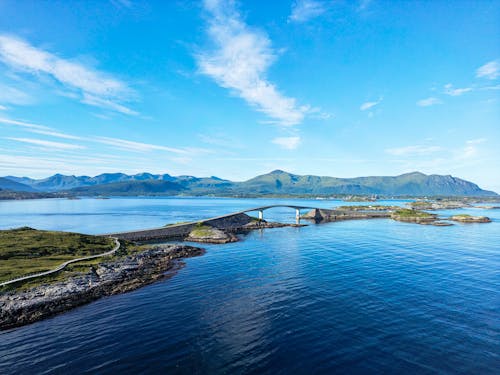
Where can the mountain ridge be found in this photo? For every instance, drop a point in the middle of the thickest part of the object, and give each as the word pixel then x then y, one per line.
pixel 277 182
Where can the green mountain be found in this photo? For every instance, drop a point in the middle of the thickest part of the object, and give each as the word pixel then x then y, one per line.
pixel 415 184
pixel 275 183
pixel 149 187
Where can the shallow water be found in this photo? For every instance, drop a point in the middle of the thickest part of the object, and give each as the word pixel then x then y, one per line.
pixel 357 296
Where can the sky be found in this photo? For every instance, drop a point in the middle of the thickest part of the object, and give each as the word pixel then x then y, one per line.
pixel 239 88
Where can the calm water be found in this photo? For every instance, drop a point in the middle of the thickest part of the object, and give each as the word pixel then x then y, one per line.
pixel 349 297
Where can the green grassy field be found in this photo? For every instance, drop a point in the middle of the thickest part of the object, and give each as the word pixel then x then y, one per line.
pixel 24 251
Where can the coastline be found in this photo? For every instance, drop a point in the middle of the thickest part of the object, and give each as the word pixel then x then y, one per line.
pixel 21 306
pixel 18 308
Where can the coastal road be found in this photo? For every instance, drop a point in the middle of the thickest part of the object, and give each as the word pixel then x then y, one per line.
pixel 63 265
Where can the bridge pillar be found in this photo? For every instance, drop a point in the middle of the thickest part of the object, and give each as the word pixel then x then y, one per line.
pixel 261 214
pixel 297 215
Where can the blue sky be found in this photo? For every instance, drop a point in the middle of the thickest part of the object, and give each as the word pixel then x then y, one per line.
pixel 236 89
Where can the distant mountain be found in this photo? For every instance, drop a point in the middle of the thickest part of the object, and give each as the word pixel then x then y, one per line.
pixel 275 183
pixel 414 184
pixel 8 184
pixel 60 182
pixel 148 187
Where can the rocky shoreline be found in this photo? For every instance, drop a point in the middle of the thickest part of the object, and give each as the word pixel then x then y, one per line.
pixel 18 308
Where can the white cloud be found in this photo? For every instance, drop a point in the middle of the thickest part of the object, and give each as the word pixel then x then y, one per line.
pixel 137 146
pixel 102 89
pixel 305 10
pixel 428 102
pixel 107 104
pixel 12 95
pixel 449 90
pixel 240 61
pixel 476 141
pixel 413 150
pixel 38 129
pixel 489 70
pixel 369 105
pixel 289 143
pixel 48 144
pixel 469 151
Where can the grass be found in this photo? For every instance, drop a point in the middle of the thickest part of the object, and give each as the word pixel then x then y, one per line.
pixel 25 251
pixel 408 213
pixel 201 230
pixel 16 267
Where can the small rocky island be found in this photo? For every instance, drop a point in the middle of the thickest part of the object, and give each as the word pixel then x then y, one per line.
pixel 470 219
pixel 408 215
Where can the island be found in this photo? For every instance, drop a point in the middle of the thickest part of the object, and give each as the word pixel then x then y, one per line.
pixel 464 218
pixel 44 273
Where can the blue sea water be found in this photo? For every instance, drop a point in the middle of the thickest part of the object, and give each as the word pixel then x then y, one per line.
pixel 368 296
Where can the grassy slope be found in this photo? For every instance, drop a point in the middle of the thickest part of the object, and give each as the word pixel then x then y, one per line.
pixel 202 231
pixel 25 251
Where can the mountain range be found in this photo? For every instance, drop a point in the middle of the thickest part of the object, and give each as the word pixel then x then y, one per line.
pixel 274 183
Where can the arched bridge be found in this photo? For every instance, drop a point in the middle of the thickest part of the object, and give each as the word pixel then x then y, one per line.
pixel 263 208
pixel 230 221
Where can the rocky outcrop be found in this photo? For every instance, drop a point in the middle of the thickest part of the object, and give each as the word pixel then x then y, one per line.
pixel 320 215
pixel 470 219
pixel 413 216
pixel 118 276
pixel 207 234
pixel 438 205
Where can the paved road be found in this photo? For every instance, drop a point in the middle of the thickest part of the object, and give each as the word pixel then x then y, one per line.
pixel 62 266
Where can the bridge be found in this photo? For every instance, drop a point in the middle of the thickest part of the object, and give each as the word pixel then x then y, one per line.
pixel 263 208
pixel 231 222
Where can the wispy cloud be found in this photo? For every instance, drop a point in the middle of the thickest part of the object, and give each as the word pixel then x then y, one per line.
pixel 489 70
pixel 305 10
pixel 47 144
pixel 450 90
pixel 240 61
pixel 289 143
pixel 413 150
pixel 107 104
pixel 3 108
pixel 368 105
pixel 12 95
pixel 102 89
pixel 476 141
pixel 428 102
pixel 137 146
pixel 38 129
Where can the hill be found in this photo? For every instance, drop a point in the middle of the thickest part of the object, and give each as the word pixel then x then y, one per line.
pixel 274 183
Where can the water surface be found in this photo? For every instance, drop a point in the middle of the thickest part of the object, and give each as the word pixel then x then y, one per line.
pixel 350 297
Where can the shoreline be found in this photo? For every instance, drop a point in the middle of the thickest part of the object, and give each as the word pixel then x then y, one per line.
pixel 18 308
pixel 23 306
